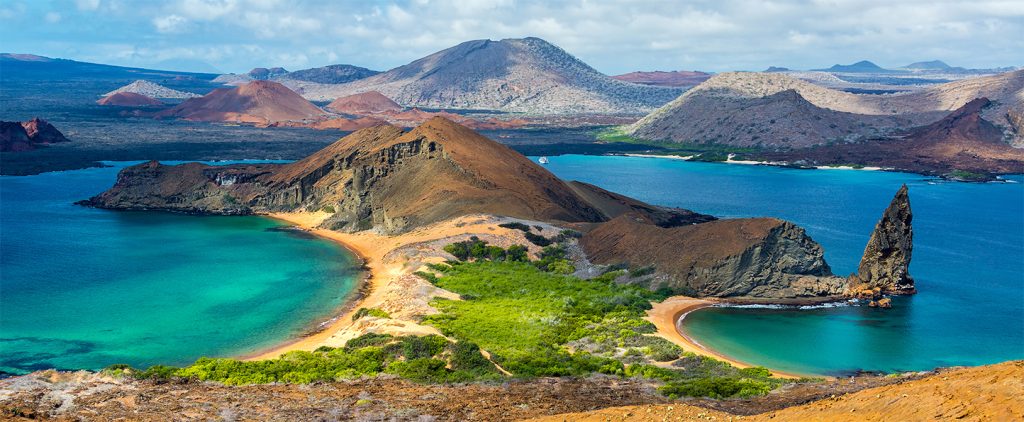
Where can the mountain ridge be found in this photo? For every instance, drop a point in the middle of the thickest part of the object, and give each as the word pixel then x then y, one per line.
pixel 526 75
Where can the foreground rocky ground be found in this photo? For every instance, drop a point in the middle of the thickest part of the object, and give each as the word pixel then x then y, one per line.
pixel 52 395
pixel 987 393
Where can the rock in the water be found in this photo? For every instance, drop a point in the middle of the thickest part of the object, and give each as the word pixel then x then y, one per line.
pixel 885 303
pixel 886 260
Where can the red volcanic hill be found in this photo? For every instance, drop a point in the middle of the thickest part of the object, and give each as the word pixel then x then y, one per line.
pixel 26 136
pixel 365 103
pixel 129 99
pixel 660 78
pixel 255 102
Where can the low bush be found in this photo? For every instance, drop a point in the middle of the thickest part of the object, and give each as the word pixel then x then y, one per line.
pixel 374 312
pixel 537 239
pixel 515 225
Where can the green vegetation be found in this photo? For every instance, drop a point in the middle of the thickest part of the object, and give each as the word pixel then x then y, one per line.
pixel 475 249
pixel 537 239
pixel 536 322
pixel 642 271
pixel 515 225
pixel 711 152
pixel 967 176
pixel 328 209
pixel 374 312
pixel 425 359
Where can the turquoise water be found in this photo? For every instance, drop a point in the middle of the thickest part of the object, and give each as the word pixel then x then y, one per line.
pixel 87 288
pixel 968 262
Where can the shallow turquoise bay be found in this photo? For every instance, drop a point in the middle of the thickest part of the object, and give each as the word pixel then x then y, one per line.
pixel 968 262
pixel 82 288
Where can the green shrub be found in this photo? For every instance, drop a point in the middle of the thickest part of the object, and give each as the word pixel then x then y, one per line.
pixel 537 239
pixel 516 253
pixel 716 388
pixel 642 271
pixel 515 225
pixel 374 312
pixel 328 209
pixel 157 372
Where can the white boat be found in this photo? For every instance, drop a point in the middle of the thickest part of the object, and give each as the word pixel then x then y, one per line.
pixel 543 160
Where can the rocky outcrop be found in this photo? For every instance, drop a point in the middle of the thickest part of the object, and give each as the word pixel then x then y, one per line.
pixel 755 259
pixel 331 74
pixel 886 260
pixel 25 136
pixel 263 74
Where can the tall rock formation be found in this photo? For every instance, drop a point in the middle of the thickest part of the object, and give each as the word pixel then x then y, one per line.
pixel 886 260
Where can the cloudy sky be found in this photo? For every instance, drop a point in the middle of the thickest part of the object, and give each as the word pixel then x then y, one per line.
pixel 613 36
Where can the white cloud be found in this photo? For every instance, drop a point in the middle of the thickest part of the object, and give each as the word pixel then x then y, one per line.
pixel 612 35
pixel 169 24
pixel 87 4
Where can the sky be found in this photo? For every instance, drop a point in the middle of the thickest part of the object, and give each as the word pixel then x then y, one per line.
pixel 612 36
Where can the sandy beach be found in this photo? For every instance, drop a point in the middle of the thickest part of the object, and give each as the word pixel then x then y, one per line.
pixel 664 316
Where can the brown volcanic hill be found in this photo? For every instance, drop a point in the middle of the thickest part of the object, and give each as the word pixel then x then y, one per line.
pixel 25 136
pixel 963 140
pixel 365 103
pixel 661 78
pixel 254 102
pixel 129 99
pixel 379 177
pixel 737 107
pixel 750 258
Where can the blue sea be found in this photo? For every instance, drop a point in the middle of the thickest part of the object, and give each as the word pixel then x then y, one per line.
pixel 968 262
pixel 83 288
pixel 86 288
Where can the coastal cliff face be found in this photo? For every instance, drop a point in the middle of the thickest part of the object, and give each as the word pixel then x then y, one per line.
pixel 760 259
pixel 886 260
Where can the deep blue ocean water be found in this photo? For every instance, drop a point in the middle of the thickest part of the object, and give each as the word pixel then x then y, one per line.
pixel 82 288
pixel 968 261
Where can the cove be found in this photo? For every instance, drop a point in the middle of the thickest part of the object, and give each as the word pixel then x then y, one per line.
pixel 968 262
pixel 83 288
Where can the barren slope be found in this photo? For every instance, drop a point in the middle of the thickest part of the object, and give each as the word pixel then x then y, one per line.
pixel 255 102
pixel 742 108
pixel 985 393
pixel 522 75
